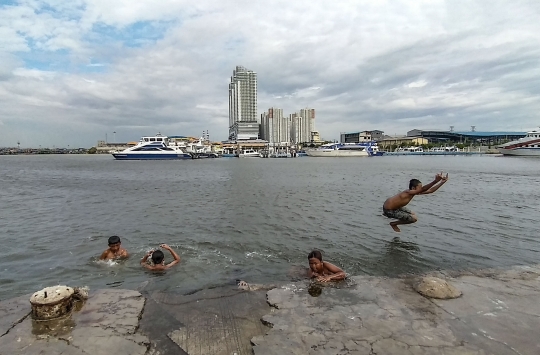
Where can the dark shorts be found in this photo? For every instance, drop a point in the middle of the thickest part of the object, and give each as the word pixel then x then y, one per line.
pixel 403 214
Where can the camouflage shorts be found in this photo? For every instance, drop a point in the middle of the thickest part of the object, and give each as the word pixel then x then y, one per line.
pixel 402 213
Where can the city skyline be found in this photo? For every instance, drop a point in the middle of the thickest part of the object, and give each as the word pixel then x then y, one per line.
pixel 72 72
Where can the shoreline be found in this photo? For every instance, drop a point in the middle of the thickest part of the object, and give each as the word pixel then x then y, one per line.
pixel 498 313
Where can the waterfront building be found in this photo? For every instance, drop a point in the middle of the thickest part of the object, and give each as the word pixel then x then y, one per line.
pixel 358 137
pixel 243 120
pixel 302 124
pixel 471 137
pixel 401 140
pixel 274 127
pixel 315 137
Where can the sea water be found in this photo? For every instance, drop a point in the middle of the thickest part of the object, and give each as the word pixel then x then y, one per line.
pixel 256 219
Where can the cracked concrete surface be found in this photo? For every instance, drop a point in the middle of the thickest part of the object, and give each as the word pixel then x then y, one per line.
pixel 498 314
pixel 106 324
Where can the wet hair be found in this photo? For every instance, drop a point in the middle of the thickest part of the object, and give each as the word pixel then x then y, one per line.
pixel 114 239
pixel 157 257
pixel 315 254
pixel 413 183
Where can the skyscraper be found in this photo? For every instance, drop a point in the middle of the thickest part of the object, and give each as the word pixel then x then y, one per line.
pixel 302 124
pixel 274 127
pixel 243 123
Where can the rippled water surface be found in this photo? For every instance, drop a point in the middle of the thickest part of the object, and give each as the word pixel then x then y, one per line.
pixel 256 219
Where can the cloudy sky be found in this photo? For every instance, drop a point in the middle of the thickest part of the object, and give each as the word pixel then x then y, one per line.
pixel 74 71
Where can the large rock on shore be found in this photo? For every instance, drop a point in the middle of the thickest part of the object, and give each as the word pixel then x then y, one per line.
pixel 434 287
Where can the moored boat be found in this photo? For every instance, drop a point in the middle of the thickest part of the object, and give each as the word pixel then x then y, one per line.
pixel 339 150
pixel 249 153
pixel 526 146
pixel 156 147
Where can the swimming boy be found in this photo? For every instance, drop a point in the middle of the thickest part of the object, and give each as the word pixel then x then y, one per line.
pixel 323 270
pixel 394 207
pixel 115 250
pixel 158 258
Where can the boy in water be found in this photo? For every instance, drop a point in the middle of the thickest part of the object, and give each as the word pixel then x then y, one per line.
pixel 394 207
pixel 115 250
pixel 158 259
pixel 323 270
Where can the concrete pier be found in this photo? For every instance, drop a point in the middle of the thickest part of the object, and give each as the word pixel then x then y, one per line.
pixel 498 314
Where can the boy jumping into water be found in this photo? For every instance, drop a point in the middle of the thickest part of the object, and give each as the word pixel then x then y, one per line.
pixel 115 250
pixel 158 257
pixel 323 270
pixel 394 207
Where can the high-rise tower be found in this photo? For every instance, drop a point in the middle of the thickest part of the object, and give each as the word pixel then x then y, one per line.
pixel 302 124
pixel 243 123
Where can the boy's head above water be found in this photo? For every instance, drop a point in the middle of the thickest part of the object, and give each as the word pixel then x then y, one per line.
pixel 315 261
pixel 114 243
pixel 415 184
pixel 157 257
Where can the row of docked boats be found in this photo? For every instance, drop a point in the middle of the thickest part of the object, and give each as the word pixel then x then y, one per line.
pixel 160 147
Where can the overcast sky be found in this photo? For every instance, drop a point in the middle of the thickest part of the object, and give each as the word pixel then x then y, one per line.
pixel 73 71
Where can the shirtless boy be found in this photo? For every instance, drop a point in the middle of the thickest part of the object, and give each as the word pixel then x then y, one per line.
pixel 394 207
pixel 115 250
pixel 158 259
pixel 323 270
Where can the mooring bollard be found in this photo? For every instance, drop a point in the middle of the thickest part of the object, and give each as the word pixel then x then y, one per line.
pixel 52 302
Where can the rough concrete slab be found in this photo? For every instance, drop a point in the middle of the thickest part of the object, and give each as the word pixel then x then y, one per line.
pixel 106 324
pixel 13 312
pixel 497 314
pixel 215 322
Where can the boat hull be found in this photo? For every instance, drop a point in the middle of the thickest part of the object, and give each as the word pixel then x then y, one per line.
pixel 337 153
pixel 248 156
pixel 150 156
pixel 522 152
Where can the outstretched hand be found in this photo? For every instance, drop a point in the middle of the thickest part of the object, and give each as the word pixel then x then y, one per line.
pixel 444 178
pixel 439 176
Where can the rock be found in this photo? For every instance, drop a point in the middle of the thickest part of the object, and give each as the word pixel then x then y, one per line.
pixel 434 287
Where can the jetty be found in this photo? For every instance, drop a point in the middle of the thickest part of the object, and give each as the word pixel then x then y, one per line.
pixel 497 313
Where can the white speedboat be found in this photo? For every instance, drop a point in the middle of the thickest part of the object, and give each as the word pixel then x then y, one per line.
pixel 339 150
pixel 526 146
pixel 249 153
pixel 156 147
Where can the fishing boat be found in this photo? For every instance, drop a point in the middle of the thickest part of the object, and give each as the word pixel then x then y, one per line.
pixel 526 146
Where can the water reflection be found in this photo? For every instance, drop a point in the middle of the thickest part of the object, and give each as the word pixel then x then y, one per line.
pixel 400 256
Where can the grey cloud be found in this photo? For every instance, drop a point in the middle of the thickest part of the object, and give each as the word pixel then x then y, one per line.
pixel 479 64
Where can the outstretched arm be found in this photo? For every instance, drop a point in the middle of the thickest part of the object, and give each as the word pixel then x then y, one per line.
pixel 438 178
pixel 174 255
pixel 436 187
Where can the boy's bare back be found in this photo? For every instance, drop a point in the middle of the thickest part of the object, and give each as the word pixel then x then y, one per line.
pixel 397 201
